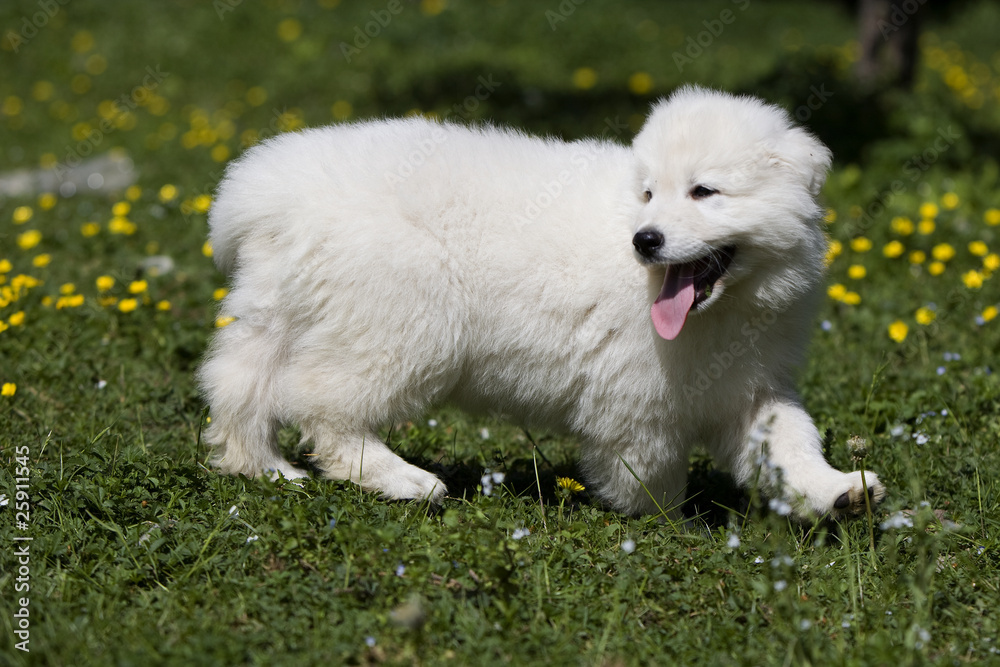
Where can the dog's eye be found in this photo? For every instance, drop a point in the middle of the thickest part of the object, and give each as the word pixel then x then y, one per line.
pixel 701 192
pixel 647 195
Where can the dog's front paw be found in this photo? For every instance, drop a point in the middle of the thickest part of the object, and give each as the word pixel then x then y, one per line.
pixel 412 483
pixel 851 499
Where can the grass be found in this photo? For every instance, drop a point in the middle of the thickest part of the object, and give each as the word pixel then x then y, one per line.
pixel 140 554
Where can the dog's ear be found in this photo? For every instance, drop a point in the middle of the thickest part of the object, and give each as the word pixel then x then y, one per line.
pixel 806 156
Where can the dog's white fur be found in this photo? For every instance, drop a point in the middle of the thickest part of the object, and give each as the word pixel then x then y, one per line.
pixel 379 268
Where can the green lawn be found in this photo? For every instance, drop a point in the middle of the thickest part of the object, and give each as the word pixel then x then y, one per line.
pixel 140 555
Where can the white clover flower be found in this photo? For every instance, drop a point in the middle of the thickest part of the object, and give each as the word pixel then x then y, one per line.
pixel 484 433
pixel 519 533
pixel 897 430
pixel 253 538
pixel 432 422
pixel 628 546
pixel 734 541
pixel 498 477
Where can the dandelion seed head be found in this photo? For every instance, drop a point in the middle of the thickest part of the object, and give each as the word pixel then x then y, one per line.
pixel 628 546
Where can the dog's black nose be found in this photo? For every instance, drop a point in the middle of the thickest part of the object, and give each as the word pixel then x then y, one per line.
pixel 647 241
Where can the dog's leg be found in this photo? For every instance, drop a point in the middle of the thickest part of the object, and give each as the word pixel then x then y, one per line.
pixel 368 462
pixel 783 450
pixel 632 481
pixel 237 381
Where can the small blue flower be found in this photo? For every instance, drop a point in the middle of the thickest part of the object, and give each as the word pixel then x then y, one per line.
pixel 400 570
pixel 519 533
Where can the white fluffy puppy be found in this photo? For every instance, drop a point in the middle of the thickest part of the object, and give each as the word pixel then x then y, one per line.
pixel 647 299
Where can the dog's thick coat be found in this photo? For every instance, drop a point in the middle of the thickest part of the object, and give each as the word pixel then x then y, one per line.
pixel 379 268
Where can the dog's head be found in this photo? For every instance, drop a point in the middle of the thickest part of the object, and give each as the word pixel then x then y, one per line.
pixel 727 187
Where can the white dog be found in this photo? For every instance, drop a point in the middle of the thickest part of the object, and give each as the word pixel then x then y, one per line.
pixel 647 299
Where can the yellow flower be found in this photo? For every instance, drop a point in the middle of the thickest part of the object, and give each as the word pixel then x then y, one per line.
pixel 902 225
pixel 972 279
pixel 584 78
pixel 224 321
pixel 29 239
pixel 898 331
pixel 992 216
pixel 121 209
pixel 17 319
pixel 991 262
pixel 978 248
pixel 861 244
pixel 935 268
pixel 206 249
pixel 893 249
pixel 926 227
pixel 833 250
pixel 105 283
pixel 830 217
pixel 47 301
pixel 163 305
pixel 69 301
pixel 949 200
pixel 5 265
pixel 121 225
pixel 925 316
pixel 167 193
pixel 67 288
pixel 137 286
pixel 8 389
pixel 943 252
pixel 569 484
pixel 289 30
pixel 46 201
pixel 918 257
pixel 89 229
pixel 855 211
pixel 41 260
pixel 640 83
pixel 201 203
pixel 220 153
pixel 989 313
pixel 127 305
pixel 836 291
pixel 928 210
pixel 857 272
pixel 22 214
pixel 220 293
pixel 852 298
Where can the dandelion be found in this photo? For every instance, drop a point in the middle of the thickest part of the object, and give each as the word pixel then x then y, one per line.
pixel 46 201
pixel 852 298
pixel 127 305
pixel 67 288
pixel 861 244
pixel 69 301
pixel 104 283
pixel 163 305
pixel 833 250
pixel 893 249
pixel 121 209
pixel 989 313
pixel 584 78
pixel 830 217
pixel 972 279
pixel 943 252
pixel 201 203
pixel 29 239
pixel 992 216
pixel 836 291
pixel 928 210
pixel 978 248
pixel 17 319
pixel 936 268
pixel 858 447
pixel 926 227
pixel 41 261
pixel 137 286
pixel 206 249
pixel 949 200
pixel 89 229
pixel 898 331
pixel 8 389
pixel 857 272
pixel 628 546
pixel 991 262
pixel 5 266
pixel 121 225
pixel 167 193
pixel 640 83
pixel 918 257
pixel 22 214
pixel 569 484
pixel 133 192
pixel 224 321
pixel 902 225
pixel 925 316
pixel 220 293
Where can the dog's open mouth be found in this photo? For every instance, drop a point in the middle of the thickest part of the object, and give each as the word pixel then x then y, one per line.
pixel 685 286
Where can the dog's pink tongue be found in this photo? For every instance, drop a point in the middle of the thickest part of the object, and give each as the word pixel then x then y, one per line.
pixel 670 310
